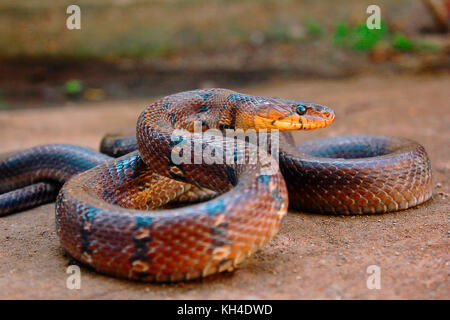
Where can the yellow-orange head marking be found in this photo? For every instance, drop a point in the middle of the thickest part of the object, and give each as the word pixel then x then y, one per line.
pixel 287 115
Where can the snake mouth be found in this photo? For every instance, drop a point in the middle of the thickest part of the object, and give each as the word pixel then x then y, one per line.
pixel 319 121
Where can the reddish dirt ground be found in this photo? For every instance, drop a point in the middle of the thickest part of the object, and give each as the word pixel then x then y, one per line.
pixel 312 257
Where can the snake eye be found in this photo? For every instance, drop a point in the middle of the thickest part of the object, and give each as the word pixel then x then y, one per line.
pixel 301 110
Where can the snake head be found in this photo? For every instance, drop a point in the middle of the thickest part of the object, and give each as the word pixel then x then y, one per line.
pixel 287 115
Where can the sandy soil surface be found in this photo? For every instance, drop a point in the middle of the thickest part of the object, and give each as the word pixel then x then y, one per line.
pixel 313 256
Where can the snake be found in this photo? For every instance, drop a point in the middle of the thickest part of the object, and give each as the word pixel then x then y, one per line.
pixel 133 212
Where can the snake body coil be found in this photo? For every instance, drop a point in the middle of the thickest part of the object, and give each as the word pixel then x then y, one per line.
pixel 109 215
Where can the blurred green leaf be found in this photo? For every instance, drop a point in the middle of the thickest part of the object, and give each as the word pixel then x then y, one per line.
pixel 341 33
pixel 365 39
pixel 402 43
pixel 72 87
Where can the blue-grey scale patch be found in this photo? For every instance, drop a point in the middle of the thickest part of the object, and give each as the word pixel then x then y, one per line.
pixel 219 232
pixel 219 238
pixel 204 146
pixel 143 221
pixel 109 196
pixel 215 207
pixel 10 201
pixel 127 166
pixel 123 146
pixel 240 97
pixel 141 245
pixel 231 174
pixel 278 199
pixel 65 160
pixel 77 148
pixel 85 234
pixel 166 105
pixel 175 140
pixel 173 118
pixel 237 154
pixel 117 143
pixel 265 179
pixel 91 214
pixel 205 95
pixel 363 150
pixel 224 106
pixel 203 108
pixel 74 158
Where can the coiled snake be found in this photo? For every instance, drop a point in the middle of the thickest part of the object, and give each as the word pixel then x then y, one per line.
pixel 120 216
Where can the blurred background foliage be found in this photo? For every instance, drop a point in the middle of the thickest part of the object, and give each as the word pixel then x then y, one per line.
pixel 126 28
pixel 287 37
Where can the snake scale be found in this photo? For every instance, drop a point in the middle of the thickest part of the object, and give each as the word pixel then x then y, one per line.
pixel 122 216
